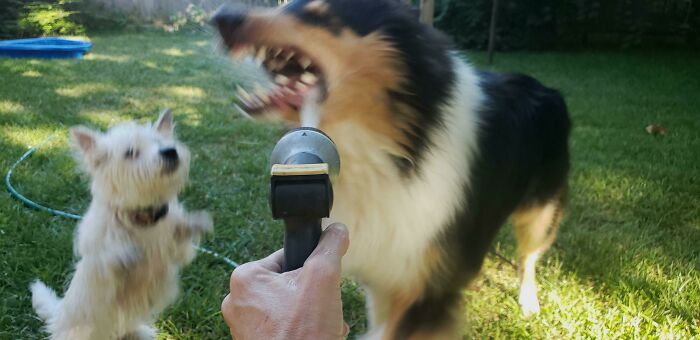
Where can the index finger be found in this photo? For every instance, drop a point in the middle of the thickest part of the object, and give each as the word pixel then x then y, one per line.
pixel 272 262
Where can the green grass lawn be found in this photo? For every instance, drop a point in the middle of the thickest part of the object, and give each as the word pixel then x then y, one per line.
pixel 625 265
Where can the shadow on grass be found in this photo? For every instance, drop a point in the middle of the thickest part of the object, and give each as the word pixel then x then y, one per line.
pixel 632 228
pixel 118 83
pixel 632 224
pixel 32 244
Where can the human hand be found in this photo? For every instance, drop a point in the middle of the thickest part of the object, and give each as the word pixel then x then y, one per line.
pixel 264 303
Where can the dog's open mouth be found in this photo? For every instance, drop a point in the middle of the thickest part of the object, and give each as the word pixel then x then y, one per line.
pixel 294 74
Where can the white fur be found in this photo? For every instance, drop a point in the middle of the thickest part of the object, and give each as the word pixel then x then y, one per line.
pixel 126 273
pixel 392 219
pixel 534 235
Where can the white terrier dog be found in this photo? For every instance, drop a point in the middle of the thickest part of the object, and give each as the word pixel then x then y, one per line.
pixel 134 238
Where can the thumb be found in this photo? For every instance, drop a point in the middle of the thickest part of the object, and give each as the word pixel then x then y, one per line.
pixel 334 242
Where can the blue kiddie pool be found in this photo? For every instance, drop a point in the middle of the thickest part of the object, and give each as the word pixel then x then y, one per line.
pixel 44 48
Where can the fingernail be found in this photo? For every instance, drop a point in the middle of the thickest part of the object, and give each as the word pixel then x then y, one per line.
pixel 338 227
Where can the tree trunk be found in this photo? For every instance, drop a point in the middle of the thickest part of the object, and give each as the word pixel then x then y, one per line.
pixel 492 30
pixel 427 11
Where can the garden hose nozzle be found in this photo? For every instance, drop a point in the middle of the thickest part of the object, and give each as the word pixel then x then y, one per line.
pixel 301 194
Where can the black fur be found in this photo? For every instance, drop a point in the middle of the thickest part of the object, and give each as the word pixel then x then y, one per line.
pixel 523 143
pixel 429 71
pixel 523 159
pixel 227 20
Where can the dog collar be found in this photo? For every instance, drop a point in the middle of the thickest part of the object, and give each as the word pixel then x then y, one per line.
pixel 147 216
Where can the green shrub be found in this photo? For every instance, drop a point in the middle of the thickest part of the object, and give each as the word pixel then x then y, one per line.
pixel 567 23
pixel 26 18
pixel 49 18
pixel 9 14
pixel 96 16
pixel 194 18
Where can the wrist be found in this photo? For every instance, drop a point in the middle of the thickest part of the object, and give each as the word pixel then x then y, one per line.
pixel 310 333
pixel 301 327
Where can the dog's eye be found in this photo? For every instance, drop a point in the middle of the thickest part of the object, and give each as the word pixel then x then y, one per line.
pixel 131 153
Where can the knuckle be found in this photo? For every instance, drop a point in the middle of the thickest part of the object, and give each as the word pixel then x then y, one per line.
pixel 321 268
pixel 243 273
pixel 225 304
pixel 227 309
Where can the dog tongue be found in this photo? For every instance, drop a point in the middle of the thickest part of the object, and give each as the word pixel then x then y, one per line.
pixel 294 100
pixel 287 99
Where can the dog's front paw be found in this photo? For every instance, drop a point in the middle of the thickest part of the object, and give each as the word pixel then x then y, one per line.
pixel 201 222
pixel 528 301
pixel 194 225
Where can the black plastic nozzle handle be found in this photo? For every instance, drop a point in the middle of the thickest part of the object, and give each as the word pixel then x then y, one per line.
pixel 300 239
pixel 301 193
pixel 301 202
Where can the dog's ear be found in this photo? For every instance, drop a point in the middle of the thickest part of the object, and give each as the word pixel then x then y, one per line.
pixel 85 145
pixel 84 139
pixel 165 124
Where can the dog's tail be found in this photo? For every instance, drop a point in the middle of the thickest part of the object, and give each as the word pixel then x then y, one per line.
pixel 44 300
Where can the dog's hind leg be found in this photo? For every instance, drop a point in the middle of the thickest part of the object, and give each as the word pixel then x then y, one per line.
pixel 535 230
pixel 434 316
pixel 44 300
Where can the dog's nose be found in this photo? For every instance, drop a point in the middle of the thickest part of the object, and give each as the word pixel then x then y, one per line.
pixel 169 154
pixel 227 20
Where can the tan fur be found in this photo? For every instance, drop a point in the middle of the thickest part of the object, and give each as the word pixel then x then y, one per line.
pixel 450 330
pixel 395 218
pixel 390 216
pixel 399 305
pixel 535 230
pixel 358 71
pixel 401 301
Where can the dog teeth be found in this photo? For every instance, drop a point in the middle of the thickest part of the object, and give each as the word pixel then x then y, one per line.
pixel 261 55
pixel 289 56
pixel 242 52
pixel 282 80
pixel 275 65
pixel 309 78
pixel 304 62
pixel 288 90
pixel 301 86
pixel 239 53
pixel 276 51
pixel 255 102
pixel 243 94
pixel 261 93
pixel 248 103
pixel 248 99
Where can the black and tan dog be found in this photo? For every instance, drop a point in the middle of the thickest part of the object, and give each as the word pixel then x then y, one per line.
pixel 435 155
